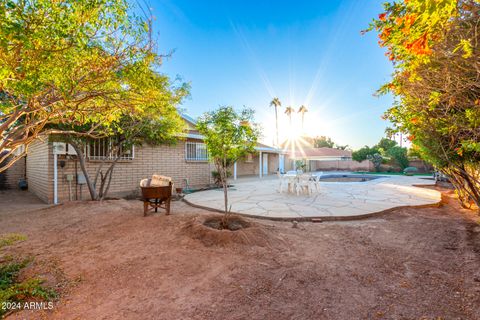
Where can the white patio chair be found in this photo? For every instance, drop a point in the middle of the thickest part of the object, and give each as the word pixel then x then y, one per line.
pixel 283 182
pixel 316 182
pixel 304 184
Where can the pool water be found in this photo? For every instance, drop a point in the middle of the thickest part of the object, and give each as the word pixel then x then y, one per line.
pixel 347 178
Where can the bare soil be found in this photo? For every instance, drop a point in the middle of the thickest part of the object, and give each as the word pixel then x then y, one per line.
pixel 110 262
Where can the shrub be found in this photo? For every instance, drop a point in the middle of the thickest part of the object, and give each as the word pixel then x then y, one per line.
pixel 399 155
pixel 377 160
pixel 409 171
pixel 11 238
pixel 11 290
pixel 363 153
pixel 217 178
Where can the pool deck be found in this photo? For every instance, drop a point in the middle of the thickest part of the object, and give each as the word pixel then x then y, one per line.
pixel 335 201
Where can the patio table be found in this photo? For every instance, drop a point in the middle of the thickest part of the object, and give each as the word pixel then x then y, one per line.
pixel 293 179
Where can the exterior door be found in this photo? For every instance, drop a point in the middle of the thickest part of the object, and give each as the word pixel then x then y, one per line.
pixel 265 164
pixel 281 162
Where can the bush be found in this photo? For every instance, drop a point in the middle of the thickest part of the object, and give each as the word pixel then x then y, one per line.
pixel 409 171
pixel 11 238
pixel 363 153
pixel 11 290
pixel 300 165
pixel 217 179
pixel 399 155
pixel 377 160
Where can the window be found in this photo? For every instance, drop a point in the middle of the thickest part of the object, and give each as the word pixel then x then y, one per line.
pixel 101 149
pixel 249 158
pixel 196 151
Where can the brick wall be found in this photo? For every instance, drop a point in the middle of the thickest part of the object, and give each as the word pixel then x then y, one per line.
pixel 245 168
pixel 164 160
pixel 272 163
pixel 148 160
pixel 39 173
pixel 9 179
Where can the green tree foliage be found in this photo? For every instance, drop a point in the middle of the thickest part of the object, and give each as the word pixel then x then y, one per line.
pixel 415 152
pixel 157 125
pixel 399 155
pixel 73 62
pixel 302 110
pixel 386 144
pixel 376 159
pixel 434 48
pixel 229 136
pixel 363 153
pixel 342 147
pixel 323 142
pixel 387 149
pixel 288 111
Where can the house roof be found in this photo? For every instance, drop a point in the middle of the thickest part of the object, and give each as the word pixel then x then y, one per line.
pixel 267 148
pixel 188 118
pixel 193 134
pixel 320 153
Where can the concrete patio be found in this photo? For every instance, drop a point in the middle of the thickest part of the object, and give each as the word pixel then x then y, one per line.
pixel 336 200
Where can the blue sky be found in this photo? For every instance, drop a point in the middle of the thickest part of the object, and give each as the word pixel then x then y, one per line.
pixel 304 52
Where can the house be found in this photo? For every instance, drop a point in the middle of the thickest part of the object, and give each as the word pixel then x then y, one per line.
pixel 54 175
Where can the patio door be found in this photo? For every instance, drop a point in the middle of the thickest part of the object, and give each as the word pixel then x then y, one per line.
pixel 265 164
pixel 281 162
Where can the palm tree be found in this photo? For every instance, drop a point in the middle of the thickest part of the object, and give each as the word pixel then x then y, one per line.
pixel 276 103
pixel 288 111
pixel 302 110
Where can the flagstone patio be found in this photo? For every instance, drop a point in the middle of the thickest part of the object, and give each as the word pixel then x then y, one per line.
pixel 336 200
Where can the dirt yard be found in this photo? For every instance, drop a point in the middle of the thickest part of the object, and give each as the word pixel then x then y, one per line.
pixel 112 263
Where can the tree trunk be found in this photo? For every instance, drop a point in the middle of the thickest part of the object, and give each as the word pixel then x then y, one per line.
pixel 276 126
pixel 108 175
pixel 466 185
pixel 222 170
pixel 81 160
pixel 225 196
pixel 107 187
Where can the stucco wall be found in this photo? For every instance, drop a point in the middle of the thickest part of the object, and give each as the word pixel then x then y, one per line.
pixel 347 165
pixel 332 165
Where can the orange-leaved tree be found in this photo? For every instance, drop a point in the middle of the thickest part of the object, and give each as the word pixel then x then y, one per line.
pixel 434 47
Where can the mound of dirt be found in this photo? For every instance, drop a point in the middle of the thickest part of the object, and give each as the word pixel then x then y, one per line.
pixel 232 223
pixel 207 229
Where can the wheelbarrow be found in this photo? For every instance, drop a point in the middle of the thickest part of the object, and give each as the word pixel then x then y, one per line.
pixel 154 197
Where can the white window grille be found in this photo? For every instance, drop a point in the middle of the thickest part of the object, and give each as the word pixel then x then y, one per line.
pixel 103 149
pixel 196 151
